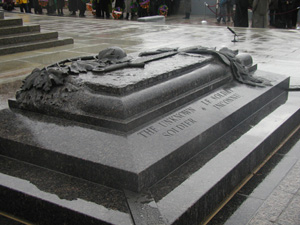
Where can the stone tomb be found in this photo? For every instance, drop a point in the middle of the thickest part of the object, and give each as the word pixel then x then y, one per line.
pixel 131 127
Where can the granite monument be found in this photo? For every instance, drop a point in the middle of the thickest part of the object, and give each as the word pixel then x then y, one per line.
pixel 125 124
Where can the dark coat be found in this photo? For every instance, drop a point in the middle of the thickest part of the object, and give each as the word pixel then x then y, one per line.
pixel 75 5
pixel 81 5
pixel 241 13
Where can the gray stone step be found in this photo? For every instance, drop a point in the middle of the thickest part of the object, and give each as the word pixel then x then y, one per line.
pixel 1 15
pixel 14 48
pixel 26 37
pixel 18 29
pixel 11 22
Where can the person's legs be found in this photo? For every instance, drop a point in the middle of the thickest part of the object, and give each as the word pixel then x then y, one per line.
pixel 22 7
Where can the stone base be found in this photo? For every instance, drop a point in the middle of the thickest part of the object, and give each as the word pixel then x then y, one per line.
pixel 185 196
pixel 139 159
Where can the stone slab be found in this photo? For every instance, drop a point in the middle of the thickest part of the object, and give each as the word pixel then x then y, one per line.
pixel 48 197
pixel 152 19
pixel 38 44
pixel 139 159
pixel 23 38
pixel 11 22
pixel 19 29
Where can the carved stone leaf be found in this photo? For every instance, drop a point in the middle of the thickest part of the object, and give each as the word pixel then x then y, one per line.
pixel 40 80
pixel 43 79
pixel 29 81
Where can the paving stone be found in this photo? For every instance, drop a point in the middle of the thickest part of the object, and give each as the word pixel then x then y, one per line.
pixel 273 206
pixel 291 182
pixel 295 152
pixel 16 64
pixel 291 215
pixel 256 221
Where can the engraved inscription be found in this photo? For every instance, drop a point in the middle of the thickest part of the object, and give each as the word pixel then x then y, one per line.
pixel 175 118
pixel 174 124
pixel 182 120
pixel 220 99
pixel 174 130
pixel 227 101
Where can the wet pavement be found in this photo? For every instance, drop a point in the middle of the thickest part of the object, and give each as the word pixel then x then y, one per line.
pixel 272 196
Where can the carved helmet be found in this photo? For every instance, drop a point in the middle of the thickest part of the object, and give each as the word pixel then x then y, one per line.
pixel 112 54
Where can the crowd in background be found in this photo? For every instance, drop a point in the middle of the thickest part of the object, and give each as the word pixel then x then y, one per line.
pixel 100 8
pixel 276 13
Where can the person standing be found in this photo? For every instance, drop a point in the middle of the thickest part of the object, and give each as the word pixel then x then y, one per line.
pixel 229 6
pixel 30 5
pixel 81 7
pixel 260 9
pixel 241 13
pixel 287 13
pixel 37 7
pixel 187 8
pixel 98 7
pixel 60 6
pixel 23 5
pixel 106 8
pixel 222 14
pixel 51 7
pixel 128 9
pixel 73 7
pixel 8 5
pixel 273 7
pixel 296 4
